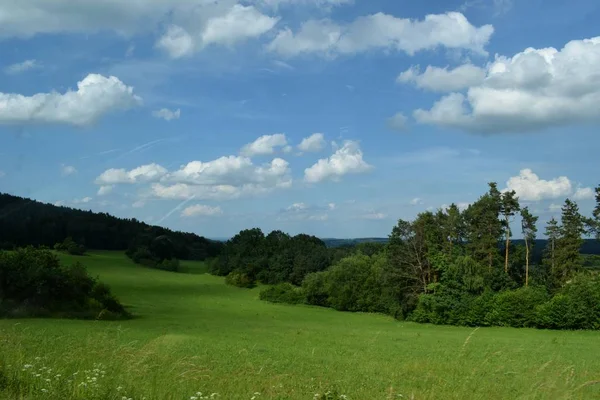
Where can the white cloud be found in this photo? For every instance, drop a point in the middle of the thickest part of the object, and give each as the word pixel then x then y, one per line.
pixel 96 96
pixel 584 193
pixel 397 122
pixel 18 68
pixel 167 114
pixel 320 217
pixel 530 187
pixel 416 201
pixel 555 208
pixel 533 90
pixel 316 3
pixel 297 207
pixel 67 170
pixel 224 178
pixel 461 206
pixel 104 190
pixel 287 149
pixel 59 203
pixel 217 25
pixel 201 210
pixel 313 143
pixel 382 31
pixel 264 145
pixel 144 173
pixel 82 201
pixel 374 216
pixel 443 80
pixel 138 204
pixel 331 206
pixel 346 160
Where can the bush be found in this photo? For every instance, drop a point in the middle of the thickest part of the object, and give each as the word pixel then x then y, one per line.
pixel 283 293
pixel 34 283
pixel 240 279
pixel 575 306
pixel 517 308
pixel 76 249
pixel 168 265
pixel 314 287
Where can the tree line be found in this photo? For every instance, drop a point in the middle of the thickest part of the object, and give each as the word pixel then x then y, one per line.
pixel 26 222
pixel 463 268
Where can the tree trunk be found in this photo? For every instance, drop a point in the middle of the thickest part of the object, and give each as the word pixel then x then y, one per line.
pixel 526 262
pixel 507 245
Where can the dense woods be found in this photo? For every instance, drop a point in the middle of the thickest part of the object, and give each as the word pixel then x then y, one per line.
pixel 27 222
pixel 463 268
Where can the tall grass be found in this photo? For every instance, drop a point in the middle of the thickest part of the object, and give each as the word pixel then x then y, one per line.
pixel 193 334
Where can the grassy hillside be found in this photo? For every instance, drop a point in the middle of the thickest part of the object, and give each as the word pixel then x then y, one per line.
pixel 193 333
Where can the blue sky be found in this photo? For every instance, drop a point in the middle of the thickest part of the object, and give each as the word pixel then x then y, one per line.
pixel 330 117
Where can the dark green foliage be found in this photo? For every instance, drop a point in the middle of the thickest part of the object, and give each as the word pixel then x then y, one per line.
pixel 168 265
pixel 283 293
pixel 240 279
pixel 34 283
pixel 274 258
pixel 315 289
pixel 27 222
pixel 576 306
pixel 516 308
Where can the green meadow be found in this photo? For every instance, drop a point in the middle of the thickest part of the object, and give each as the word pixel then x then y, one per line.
pixel 193 334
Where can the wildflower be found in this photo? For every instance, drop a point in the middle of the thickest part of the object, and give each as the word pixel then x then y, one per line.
pixel 193 398
pixel 119 388
pixel 27 366
pixel 45 390
pixel 198 393
pixel 37 375
pixel 213 395
pixel 57 376
pixel 47 380
pixel 37 359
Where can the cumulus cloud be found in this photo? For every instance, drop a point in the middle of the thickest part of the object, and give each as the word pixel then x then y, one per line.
pixel 223 179
pixel 297 207
pixel 198 210
pixel 167 114
pixel 21 67
pixel 67 170
pixel 225 26
pixel 530 91
pixel 144 173
pixel 96 95
pixel 397 122
pixel 138 204
pixel 530 187
pixel 382 31
pixel 264 145
pixel 443 80
pixel 104 190
pixel 584 193
pixel 374 216
pixel 82 201
pixel 323 4
pixel 303 211
pixel 416 201
pixel 346 160
pixel 313 143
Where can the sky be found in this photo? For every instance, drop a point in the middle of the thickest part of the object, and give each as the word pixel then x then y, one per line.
pixel 329 117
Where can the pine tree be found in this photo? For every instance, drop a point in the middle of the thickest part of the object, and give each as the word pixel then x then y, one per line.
pixel 529 230
pixel 509 206
pixel 567 251
pixel 484 229
pixel 553 234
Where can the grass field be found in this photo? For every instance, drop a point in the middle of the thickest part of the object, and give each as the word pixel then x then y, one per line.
pixel 194 334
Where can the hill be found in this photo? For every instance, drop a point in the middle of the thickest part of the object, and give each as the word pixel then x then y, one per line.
pixel 29 222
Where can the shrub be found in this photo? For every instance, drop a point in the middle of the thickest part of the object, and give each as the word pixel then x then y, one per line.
pixel 34 283
pixel 315 290
pixel 283 293
pixel 516 308
pixel 169 265
pixel 240 279
pixel 76 249
pixel 575 306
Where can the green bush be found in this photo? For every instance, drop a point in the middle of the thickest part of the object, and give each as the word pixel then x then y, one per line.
pixel 575 306
pixel 34 283
pixel 76 249
pixel 517 308
pixel 168 265
pixel 239 279
pixel 283 293
pixel 314 287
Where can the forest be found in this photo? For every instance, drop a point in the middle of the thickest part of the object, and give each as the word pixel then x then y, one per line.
pixel 446 267
pixel 26 222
